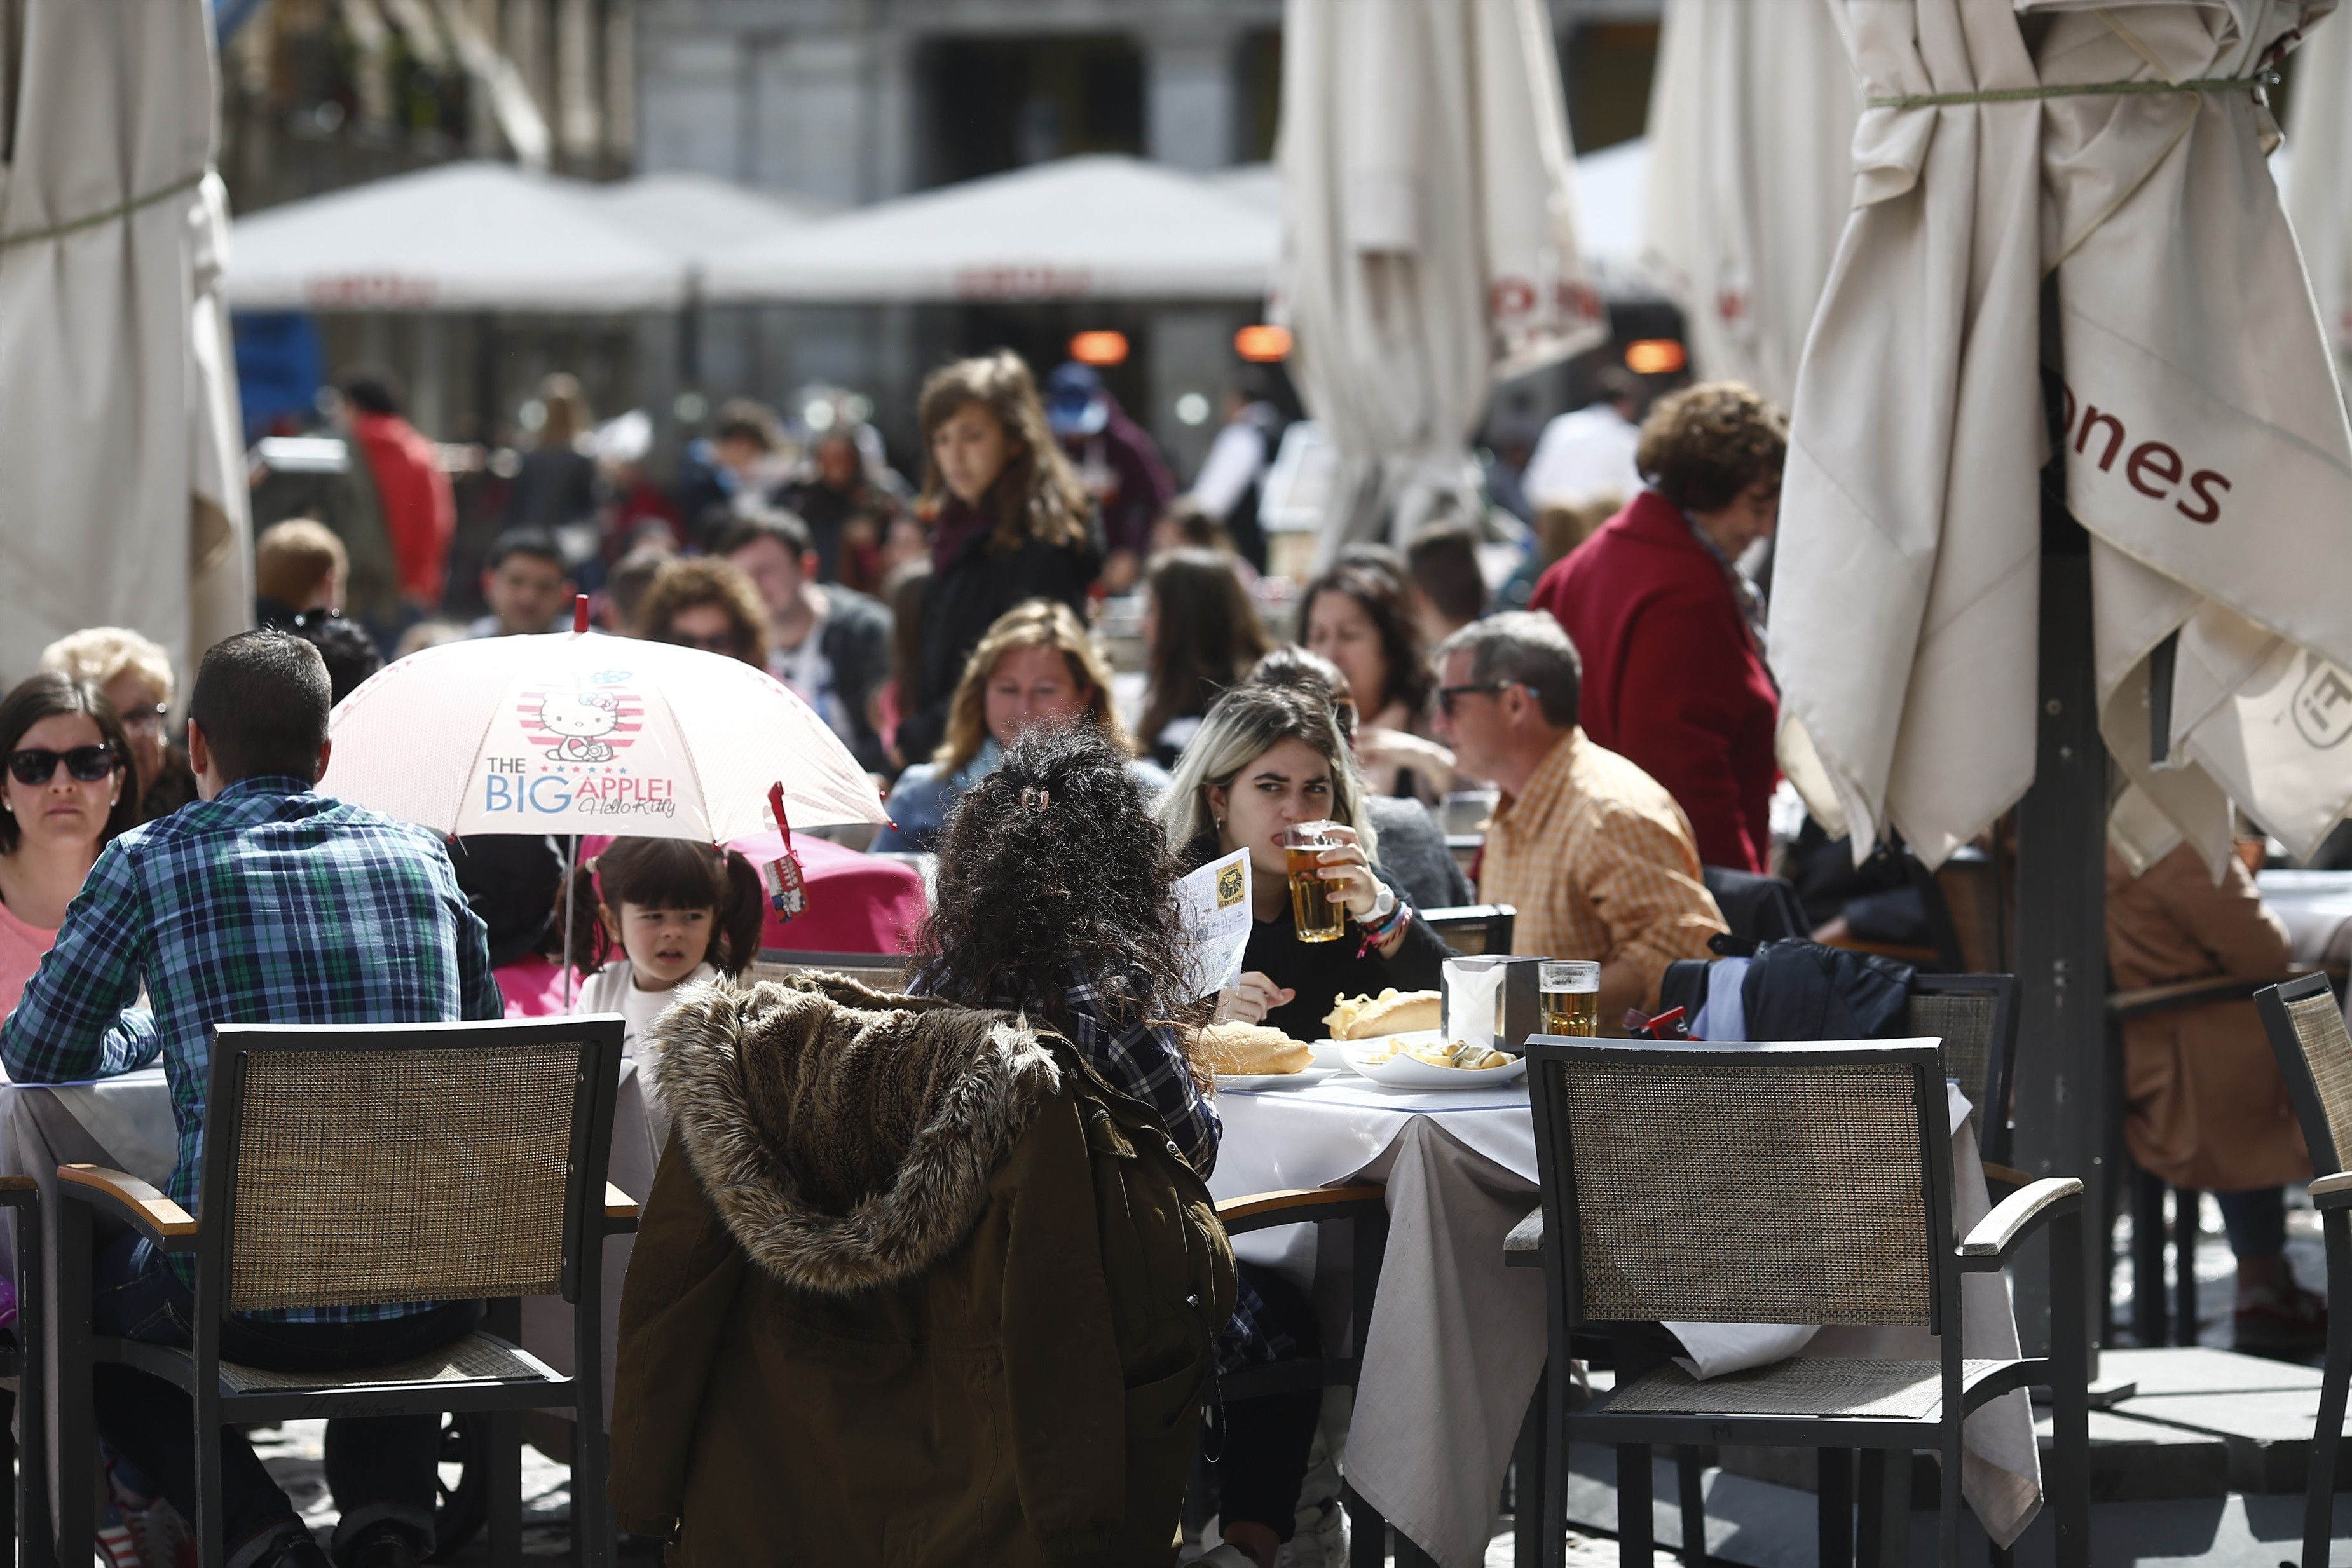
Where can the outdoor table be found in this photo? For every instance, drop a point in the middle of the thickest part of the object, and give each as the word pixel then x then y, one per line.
pixel 1456 1340
pixel 2317 908
pixel 125 1123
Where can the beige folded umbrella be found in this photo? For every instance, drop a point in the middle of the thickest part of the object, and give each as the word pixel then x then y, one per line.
pixel 122 494
pixel 1430 246
pixel 2319 177
pixel 2208 453
pixel 1749 182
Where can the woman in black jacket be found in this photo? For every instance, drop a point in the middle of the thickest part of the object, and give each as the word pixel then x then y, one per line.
pixel 1010 520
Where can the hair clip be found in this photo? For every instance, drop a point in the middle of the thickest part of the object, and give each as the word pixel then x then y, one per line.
pixel 1034 798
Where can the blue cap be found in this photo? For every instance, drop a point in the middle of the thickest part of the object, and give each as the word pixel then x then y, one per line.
pixel 1076 403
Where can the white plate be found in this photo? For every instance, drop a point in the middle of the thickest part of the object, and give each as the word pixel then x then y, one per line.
pixel 1412 1072
pixel 1305 1078
pixel 1334 1052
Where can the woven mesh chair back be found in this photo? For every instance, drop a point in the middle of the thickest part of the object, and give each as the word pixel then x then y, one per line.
pixel 402 1175
pixel 1748 1192
pixel 890 979
pixel 2327 1050
pixel 1470 934
pixel 1965 1021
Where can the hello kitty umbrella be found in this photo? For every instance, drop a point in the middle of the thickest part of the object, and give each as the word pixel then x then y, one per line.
pixel 577 732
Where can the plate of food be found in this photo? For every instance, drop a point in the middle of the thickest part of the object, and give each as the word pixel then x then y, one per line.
pixel 1392 1015
pixel 1429 1060
pixel 1254 1056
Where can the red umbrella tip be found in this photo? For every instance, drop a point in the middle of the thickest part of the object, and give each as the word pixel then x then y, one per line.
pixel 579 613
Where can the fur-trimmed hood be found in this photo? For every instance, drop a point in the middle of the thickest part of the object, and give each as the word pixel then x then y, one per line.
pixel 846 1137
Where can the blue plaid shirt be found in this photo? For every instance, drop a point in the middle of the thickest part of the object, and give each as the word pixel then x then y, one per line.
pixel 269 903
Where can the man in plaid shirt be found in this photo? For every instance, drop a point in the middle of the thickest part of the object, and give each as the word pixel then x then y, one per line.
pixel 265 902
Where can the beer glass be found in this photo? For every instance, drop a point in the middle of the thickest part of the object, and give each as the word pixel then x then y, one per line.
pixel 1571 996
pixel 1320 917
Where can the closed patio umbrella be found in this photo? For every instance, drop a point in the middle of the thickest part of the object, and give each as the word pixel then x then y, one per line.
pixel 1749 181
pixel 2318 179
pixel 121 481
pixel 1430 247
pixel 2207 451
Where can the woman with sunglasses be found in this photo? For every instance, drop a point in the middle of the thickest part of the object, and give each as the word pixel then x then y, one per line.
pixel 707 603
pixel 64 794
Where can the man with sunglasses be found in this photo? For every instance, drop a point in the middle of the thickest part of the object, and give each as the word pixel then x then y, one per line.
pixel 265 902
pixel 1593 852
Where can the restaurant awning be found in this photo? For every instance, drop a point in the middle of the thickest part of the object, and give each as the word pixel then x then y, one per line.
pixel 460 237
pixel 1094 227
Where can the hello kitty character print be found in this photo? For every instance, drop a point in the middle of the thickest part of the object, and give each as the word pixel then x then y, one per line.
pixel 581 724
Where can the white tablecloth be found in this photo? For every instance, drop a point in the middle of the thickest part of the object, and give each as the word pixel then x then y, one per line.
pixel 2317 908
pixel 1456 1340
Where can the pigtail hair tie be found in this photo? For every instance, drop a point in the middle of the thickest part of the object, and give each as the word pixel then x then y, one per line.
pixel 1034 798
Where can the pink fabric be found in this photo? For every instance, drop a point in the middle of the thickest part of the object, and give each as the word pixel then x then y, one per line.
pixel 21 947
pixel 857 902
pixel 533 988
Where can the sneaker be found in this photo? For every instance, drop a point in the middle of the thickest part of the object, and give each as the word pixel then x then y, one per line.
pixel 299 1551
pixel 1224 1555
pixel 2289 1322
pixel 1320 1541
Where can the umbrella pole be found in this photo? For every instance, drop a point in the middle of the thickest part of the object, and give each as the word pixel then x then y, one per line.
pixel 2061 1094
pixel 571 865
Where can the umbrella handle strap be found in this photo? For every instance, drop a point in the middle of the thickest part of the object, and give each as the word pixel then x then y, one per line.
pixel 2077 89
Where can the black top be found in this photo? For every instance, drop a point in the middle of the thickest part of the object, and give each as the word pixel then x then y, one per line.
pixel 1323 972
pixel 981 582
pixel 1412 851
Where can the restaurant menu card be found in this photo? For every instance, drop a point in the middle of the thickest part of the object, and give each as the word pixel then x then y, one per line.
pixel 1213 910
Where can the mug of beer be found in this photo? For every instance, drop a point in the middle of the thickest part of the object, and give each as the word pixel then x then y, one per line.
pixel 1319 916
pixel 1571 996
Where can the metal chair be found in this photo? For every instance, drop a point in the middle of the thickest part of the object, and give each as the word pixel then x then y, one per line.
pixel 22 1362
pixel 2314 1057
pixel 1366 1209
pixel 358 1163
pixel 1474 928
pixel 879 971
pixel 1783 1184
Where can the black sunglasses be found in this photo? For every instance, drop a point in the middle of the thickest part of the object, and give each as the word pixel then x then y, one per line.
pixel 1445 694
pixel 732 646
pixel 34 764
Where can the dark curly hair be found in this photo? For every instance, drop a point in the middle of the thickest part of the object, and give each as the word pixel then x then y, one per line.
pixel 1050 864
pixel 1704 446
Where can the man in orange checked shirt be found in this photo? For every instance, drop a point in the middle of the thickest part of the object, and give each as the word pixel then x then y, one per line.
pixel 1594 853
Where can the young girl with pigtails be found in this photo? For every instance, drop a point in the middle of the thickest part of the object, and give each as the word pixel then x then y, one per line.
pixel 680 911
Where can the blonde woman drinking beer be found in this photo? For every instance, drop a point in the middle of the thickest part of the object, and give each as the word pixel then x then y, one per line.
pixel 1266 762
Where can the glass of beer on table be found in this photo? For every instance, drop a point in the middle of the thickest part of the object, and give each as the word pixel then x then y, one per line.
pixel 1571 996
pixel 1320 917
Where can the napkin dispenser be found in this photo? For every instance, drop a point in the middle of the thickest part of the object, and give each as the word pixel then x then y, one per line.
pixel 1495 1001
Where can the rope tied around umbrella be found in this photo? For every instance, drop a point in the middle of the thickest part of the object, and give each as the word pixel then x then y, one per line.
pixel 120 210
pixel 2077 89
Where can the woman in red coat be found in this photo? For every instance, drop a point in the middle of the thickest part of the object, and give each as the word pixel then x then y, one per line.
pixel 1668 628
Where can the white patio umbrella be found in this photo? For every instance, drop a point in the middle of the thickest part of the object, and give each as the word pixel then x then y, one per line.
pixel 1750 180
pixel 1095 227
pixel 1431 247
pixel 2208 453
pixel 459 236
pixel 2318 182
pixel 694 216
pixel 122 494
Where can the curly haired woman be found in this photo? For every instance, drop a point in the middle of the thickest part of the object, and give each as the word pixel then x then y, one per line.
pixel 1669 628
pixel 1053 893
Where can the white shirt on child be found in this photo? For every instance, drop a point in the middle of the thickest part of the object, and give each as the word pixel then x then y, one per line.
pixel 614 989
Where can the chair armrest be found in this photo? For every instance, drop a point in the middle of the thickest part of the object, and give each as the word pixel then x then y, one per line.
pixel 2332 1191
pixel 1523 1248
pixel 17 1190
pixel 2013 1219
pixel 2147 999
pixel 160 1221
pixel 1296 1206
pixel 620 1211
